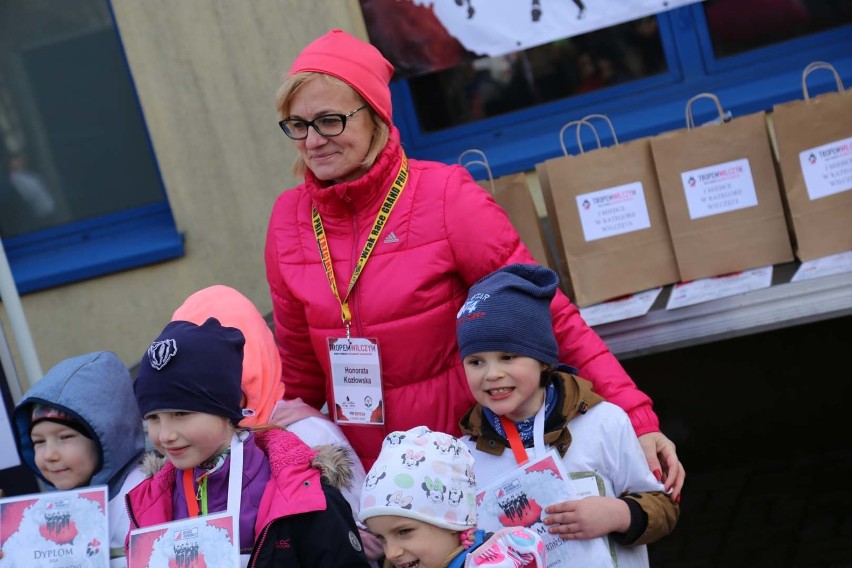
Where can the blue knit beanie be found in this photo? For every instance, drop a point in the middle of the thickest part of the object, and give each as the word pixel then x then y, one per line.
pixel 195 368
pixel 509 310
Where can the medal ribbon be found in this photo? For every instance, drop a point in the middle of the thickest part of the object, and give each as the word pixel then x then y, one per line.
pixel 234 484
pixel 514 437
pixel 192 498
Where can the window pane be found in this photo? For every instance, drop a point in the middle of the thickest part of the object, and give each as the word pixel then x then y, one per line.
pixel 73 144
pixel 492 86
pixel 741 25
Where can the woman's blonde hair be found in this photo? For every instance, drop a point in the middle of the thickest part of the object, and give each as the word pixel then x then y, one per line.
pixel 293 83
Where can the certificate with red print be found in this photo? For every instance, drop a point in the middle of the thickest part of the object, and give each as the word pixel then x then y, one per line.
pixel 58 529
pixel 209 541
pixel 519 498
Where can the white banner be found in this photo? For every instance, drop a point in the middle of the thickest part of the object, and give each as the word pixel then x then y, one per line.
pixel 498 27
pixel 411 36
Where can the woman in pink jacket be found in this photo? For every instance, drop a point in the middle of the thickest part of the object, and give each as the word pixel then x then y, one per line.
pixel 370 259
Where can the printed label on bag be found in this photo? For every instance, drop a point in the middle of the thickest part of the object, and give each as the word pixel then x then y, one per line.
pixel 720 188
pixel 613 211
pixel 827 169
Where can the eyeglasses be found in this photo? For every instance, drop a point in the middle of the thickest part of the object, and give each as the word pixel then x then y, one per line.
pixel 327 125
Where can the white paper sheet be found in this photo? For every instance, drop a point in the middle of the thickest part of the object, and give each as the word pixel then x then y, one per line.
pixel 825 266
pixel 626 307
pixel 707 289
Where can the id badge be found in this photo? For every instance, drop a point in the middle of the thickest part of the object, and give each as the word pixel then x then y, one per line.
pixel 356 379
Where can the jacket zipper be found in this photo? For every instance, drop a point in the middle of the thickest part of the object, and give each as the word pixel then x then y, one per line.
pixel 133 522
pixel 259 545
pixel 130 514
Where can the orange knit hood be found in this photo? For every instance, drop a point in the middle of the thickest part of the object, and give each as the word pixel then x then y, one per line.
pixel 261 381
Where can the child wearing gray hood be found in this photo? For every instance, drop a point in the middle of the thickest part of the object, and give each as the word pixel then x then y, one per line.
pixel 79 426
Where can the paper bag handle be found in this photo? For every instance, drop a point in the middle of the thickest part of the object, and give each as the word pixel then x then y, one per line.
pixel 483 162
pixel 588 118
pixel 813 66
pixel 690 121
pixel 578 123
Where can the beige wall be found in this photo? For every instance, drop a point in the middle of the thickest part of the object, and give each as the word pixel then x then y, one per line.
pixel 206 72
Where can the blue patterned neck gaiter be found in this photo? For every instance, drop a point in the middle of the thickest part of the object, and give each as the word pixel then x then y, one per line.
pixel 525 427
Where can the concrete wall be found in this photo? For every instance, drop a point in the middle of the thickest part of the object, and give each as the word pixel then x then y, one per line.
pixel 206 72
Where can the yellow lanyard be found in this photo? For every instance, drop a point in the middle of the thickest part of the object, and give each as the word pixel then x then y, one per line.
pixel 381 218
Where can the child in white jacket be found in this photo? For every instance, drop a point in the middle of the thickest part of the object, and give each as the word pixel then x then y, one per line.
pixel 528 404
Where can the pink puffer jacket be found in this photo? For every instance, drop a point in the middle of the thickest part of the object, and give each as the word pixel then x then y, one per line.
pixel 444 234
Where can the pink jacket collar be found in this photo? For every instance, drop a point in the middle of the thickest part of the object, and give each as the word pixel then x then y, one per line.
pixel 361 194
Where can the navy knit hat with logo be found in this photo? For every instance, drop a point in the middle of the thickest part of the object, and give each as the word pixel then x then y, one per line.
pixel 509 311
pixel 195 368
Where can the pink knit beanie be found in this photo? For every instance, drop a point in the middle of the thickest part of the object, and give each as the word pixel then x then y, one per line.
pixel 357 63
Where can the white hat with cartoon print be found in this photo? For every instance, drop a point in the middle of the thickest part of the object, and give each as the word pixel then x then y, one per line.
pixel 422 475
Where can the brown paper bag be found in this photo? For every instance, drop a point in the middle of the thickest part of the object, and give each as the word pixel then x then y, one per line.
pixel 560 264
pixel 721 195
pixel 512 193
pixel 607 218
pixel 814 142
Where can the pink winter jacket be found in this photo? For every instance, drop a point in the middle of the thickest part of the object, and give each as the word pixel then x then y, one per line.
pixel 294 487
pixel 444 234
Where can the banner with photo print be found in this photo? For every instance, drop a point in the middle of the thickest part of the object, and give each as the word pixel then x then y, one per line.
pixel 421 36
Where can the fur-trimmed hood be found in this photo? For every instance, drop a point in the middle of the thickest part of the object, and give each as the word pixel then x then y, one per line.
pixel 335 464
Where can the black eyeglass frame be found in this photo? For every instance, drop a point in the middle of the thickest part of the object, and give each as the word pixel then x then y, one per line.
pixel 312 124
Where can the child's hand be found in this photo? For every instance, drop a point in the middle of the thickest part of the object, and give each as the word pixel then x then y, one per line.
pixel 587 518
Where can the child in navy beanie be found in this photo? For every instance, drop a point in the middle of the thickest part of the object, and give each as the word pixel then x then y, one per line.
pixel 509 310
pixel 194 368
pixel 529 404
pixel 188 391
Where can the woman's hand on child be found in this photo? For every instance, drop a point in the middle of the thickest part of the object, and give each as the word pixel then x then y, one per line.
pixel 587 518
pixel 662 459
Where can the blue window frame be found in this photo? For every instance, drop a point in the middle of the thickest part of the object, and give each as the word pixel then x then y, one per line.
pixel 73 124
pixel 745 82
pixel 94 247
